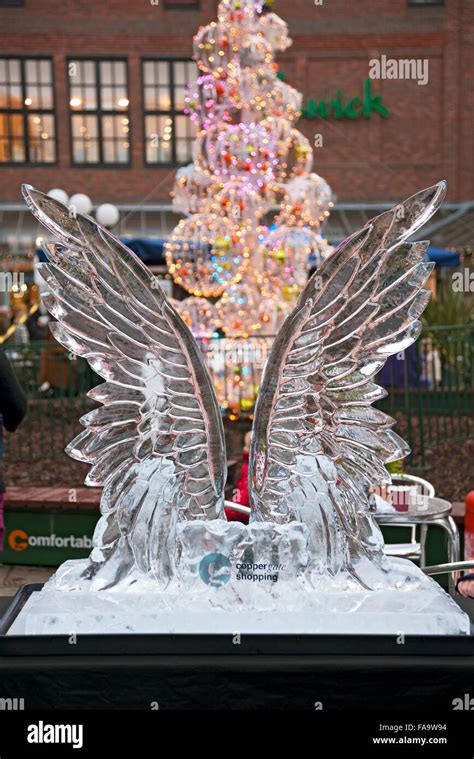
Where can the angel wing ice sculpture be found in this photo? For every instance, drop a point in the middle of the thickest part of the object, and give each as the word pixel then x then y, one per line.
pixel 157 444
pixel 318 446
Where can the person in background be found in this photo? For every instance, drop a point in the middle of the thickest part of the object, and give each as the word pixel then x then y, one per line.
pixel 37 326
pixel 4 319
pixel 431 373
pixel 58 375
pixel 12 410
pixel 21 335
pixel 465 586
pixel 242 486
pixel 241 491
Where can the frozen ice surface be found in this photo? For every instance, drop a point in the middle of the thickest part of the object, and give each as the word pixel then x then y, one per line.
pixel 418 607
pixel 249 579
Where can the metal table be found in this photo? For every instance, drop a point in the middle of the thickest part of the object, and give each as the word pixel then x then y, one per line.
pixel 427 510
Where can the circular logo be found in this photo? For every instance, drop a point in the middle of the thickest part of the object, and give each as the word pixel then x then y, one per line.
pixel 214 569
pixel 18 540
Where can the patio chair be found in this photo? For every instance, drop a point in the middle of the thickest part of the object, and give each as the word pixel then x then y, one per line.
pixel 415 549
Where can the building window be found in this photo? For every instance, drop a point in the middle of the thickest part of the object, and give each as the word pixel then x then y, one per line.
pixel 169 134
pixel 99 107
pixel 12 3
pixel 27 128
pixel 425 2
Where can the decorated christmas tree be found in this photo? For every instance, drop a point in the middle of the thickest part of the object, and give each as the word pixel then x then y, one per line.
pixel 253 208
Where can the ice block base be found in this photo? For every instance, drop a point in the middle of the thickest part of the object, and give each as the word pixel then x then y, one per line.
pixel 421 607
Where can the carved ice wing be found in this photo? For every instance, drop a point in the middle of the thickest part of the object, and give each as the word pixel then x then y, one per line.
pixel 158 437
pixel 318 446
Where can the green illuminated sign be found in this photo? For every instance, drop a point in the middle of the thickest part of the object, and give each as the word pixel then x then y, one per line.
pixel 340 107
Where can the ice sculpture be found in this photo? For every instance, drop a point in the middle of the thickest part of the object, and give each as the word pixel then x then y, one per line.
pixel 156 444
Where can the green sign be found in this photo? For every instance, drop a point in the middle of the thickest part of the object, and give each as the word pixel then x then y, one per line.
pixel 47 538
pixel 340 107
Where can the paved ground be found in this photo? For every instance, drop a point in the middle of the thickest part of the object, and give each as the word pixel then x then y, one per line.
pixel 13 577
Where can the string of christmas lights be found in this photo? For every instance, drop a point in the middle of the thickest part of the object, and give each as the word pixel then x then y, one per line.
pixel 253 207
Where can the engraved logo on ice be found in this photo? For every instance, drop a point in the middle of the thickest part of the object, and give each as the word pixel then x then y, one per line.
pixel 215 569
pixel 259 572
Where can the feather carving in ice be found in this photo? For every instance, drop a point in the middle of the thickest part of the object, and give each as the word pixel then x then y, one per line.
pixel 156 444
pixel 318 446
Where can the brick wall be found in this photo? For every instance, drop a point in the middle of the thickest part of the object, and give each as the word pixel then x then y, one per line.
pixel 428 134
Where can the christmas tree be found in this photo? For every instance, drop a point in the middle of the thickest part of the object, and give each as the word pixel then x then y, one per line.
pixel 253 208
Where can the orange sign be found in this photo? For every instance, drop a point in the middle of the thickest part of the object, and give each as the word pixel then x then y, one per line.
pixel 18 540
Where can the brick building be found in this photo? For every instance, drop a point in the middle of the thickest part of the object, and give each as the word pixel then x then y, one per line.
pixel 85 86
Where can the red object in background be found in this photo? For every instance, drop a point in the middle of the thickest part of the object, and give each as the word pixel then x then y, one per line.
pixel 236 516
pixel 469 527
pixel 242 493
pixel 242 487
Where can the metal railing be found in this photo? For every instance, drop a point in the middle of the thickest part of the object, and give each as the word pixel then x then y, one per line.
pixel 430 389
pixel 56 383
pixel 429 386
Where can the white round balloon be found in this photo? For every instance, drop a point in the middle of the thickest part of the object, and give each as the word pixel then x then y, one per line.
pixel 80 203
pixel 107 214
pixel 60 195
